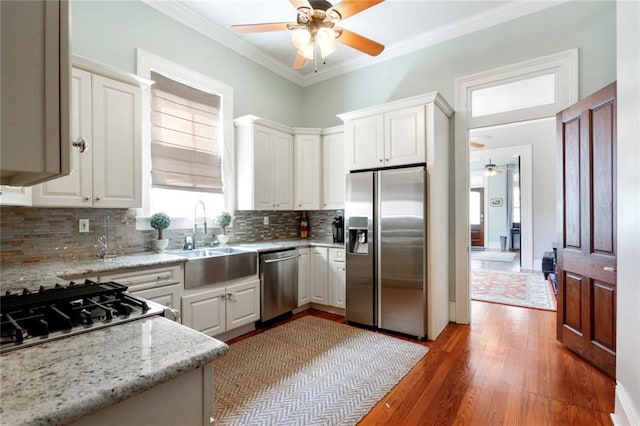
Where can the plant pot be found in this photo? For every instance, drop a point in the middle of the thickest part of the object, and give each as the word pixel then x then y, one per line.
pixel 160 246
pixel 223 239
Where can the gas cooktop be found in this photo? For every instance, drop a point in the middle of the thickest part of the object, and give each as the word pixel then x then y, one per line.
pixel 28 318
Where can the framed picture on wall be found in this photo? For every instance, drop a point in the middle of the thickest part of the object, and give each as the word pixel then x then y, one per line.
pixel 496 202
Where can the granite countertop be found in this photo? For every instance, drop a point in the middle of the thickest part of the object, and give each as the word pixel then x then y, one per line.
pixel 33 275
pixel 58 381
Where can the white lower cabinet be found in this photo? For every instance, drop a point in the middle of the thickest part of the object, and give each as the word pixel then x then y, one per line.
pixel 337 278
pixel 161 284
pixel 215 309
pixel 303 277
pixel 318 263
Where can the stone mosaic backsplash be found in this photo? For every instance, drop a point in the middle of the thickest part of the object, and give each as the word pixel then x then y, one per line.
pixel 33 234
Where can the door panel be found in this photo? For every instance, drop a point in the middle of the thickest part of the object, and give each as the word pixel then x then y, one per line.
pixel 476 216
pixel 586 219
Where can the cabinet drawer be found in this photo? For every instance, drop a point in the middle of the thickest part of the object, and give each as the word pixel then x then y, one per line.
pixel 336 255
pixel 142 279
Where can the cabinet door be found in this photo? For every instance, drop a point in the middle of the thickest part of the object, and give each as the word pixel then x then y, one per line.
pixel 319 290
pixel 205 311
pixel 282 167
pixel 74 190
pixel 333 172
pixel 35 91
pixel 337 278
pixel 404 139
pixel 365 143
pixel 263 168
pixel 303 277
pixel 307 172
pixel 117 144
pixel 242 304
pixel 15 196
pixel 168 295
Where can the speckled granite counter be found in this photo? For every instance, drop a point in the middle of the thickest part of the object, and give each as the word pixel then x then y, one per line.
pixel 64 379
pixel 31 276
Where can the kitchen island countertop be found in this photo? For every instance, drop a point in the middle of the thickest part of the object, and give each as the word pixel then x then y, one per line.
pixel 62 380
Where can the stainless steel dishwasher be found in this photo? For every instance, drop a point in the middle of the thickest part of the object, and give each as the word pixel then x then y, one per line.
pixel 278 283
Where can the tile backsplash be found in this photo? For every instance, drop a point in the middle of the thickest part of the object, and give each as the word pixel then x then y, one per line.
pixel 34 234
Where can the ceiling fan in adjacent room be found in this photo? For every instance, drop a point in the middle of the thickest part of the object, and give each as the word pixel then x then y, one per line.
pixel 490 169
pixel 316 29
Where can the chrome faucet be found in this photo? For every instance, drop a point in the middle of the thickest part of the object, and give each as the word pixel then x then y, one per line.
pixel 195 221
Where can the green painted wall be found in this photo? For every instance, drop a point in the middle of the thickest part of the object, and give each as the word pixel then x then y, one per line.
pixel 589 26
pixel 110 31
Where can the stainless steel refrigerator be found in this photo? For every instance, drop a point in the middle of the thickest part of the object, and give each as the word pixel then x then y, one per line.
pixel 385 240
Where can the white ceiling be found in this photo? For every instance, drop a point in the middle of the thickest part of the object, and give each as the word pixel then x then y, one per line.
pixel 401 25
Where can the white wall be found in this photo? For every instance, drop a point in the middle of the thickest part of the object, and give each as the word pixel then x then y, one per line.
pixel 110 31
pixel 588 26
pixel 541 135
pixel 496 216
pixel 628 216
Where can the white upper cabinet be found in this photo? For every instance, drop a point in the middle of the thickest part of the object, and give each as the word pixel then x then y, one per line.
pixel 307 148
pixel 35 69
pixel 106 115
pixel 364 142
pixel 333 170
pixel 392 134
pixel 404 137
pixel 264 155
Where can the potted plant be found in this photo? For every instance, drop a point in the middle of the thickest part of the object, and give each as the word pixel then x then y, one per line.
pixel 160 222
pixel 223 220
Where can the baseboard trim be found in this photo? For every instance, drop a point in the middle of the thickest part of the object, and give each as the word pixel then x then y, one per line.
pixel 452 311
pixel 625 411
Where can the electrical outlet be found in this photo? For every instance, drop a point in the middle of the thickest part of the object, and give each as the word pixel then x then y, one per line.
pixel 265 220
pixel 83 225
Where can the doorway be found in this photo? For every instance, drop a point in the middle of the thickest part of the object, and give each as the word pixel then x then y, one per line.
pixel 558 71
pixel 476 216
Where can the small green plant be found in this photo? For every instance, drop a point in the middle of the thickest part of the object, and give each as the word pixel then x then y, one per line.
pixel 160 222
pixel 223 220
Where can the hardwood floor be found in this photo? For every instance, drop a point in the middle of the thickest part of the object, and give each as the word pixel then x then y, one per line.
pixel 505 369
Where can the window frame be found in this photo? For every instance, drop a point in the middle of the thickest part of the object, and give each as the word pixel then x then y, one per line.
pixel 147 62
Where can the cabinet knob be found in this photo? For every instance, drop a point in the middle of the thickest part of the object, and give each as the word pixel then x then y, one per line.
pixel 98 198
pixel 87 198
pixel 80 144
pixel 386 159
pixel 381 160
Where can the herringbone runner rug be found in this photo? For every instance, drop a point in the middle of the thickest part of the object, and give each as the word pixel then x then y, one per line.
pixel 310 371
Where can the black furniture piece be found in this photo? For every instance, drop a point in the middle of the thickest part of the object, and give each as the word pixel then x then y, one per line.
pixel 550 268
pixel 515 236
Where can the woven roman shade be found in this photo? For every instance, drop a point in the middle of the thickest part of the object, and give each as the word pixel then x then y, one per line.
pixel 185 137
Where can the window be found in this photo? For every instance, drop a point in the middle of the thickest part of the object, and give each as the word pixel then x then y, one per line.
pixel 516 196
pixel 521 94
pixel 189 149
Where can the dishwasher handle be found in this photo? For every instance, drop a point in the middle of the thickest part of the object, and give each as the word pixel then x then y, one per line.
pixel 281 259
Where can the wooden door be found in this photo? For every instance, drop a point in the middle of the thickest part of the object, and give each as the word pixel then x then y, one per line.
pixel 476 216
pixel 587 228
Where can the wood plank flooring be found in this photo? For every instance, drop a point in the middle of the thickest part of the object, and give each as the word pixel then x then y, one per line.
pixel 505 369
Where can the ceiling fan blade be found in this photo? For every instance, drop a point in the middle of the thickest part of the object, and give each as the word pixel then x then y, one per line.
pixel 300 62
pixel 261 28
pixel 475 144
pixel 347 8
pixel 359 42
pixel 297 4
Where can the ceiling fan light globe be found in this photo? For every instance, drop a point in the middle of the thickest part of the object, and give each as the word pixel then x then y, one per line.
pixel 326 38
pixel 307 52
pixel 301 39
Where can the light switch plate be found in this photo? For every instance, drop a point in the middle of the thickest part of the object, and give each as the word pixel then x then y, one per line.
pixel 266 220
pixel 83 225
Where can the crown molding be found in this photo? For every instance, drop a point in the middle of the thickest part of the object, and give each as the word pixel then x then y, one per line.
pixel 185 16
pixel 480 21
pixel 456 29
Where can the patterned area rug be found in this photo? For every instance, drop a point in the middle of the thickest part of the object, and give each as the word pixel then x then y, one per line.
pixel 513 288
pixel 310 371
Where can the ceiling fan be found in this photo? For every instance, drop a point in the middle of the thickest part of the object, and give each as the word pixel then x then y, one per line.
pixel 490 169
pixel 316 28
